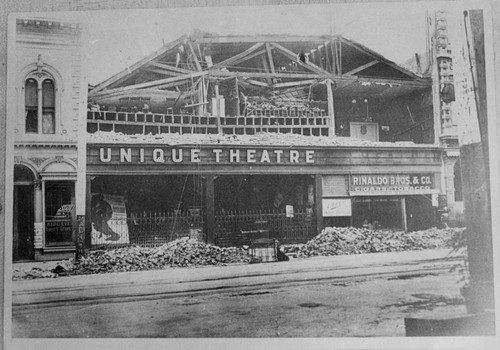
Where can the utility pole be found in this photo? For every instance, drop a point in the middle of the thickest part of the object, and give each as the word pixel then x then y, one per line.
pixel 474 159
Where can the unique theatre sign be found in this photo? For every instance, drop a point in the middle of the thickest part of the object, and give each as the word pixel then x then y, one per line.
pixel 391 184
pixel 167 155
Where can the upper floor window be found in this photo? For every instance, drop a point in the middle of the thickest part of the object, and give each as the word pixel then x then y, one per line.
pixel 39 103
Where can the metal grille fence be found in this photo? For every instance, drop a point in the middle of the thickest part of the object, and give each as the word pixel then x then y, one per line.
pixel 235 228
pixel 155 229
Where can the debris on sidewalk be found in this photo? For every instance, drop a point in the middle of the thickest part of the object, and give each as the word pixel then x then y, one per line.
pixel 351 240
pixel 185 252
pixel 179 253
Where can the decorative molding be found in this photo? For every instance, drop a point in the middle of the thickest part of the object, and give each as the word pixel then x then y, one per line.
pixel 59 159
pixel 74 160
pixel 17 159
pixel 38 161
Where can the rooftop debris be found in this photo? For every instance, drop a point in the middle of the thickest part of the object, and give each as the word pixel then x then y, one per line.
pixel 265 139
pixel 185 252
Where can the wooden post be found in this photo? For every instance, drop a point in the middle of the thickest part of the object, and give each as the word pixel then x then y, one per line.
pixel 331 111
pixel 209 209
pixel 88 213
pixel 404 220
pixel 237 96
pixel 217 111
pixel 318 201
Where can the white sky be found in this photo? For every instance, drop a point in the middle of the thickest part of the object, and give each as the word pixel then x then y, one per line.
pixel 117 39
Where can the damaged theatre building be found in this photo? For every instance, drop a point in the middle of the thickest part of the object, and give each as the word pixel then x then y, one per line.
pixel 226 139
pixel 229 138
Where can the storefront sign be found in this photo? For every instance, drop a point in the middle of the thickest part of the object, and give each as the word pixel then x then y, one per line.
pixel 131 155
pixel 289 211
pixel 391 184
pixel 336 207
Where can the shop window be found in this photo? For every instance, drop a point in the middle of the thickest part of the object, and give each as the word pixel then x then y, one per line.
pixel 59 214
pixel 39 104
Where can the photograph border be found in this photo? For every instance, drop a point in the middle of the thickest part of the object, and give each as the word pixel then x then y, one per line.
pixel 10 8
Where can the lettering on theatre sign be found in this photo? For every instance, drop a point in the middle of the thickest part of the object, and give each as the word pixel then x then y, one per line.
pixel 391 184
pixel 117 155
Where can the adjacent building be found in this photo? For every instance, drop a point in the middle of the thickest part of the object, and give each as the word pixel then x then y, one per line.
pixel 49 188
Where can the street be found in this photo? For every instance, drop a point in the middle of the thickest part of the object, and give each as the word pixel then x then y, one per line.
pixel 339 296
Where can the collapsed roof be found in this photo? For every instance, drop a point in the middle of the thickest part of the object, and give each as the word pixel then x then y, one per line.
pixel 189 64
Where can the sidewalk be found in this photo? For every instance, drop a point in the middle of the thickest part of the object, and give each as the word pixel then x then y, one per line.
pixel 182 280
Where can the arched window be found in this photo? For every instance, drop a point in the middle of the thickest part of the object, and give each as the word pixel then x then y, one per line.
pixel 39 104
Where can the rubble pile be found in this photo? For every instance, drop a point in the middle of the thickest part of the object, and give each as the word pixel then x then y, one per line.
pixel 351 240
pixel 181 252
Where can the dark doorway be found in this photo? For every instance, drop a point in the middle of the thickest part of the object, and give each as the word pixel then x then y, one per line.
pixel 23 239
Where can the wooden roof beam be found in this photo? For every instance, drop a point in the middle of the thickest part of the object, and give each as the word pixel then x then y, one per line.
pixel 258 83
pixel 294 57
pixel 363 67
pixel 221 73
pixel 196 60
pixel 270 57
pixel 170 68
pixel 263 38
pixel 156 82
pixel 296 83
pixel 127 71
pixel 375 55
pixel 161 71
pixel 237 57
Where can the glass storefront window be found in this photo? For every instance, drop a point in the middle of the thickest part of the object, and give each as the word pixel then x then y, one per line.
pixel 59 214
pixel 377 211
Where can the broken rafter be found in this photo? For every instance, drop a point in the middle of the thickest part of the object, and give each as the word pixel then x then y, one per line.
pixel 170 68
pixel 377 56
pixel 223 73
pixel 266 69
pixel 155 82
pixel 196 60
pixel 270 57
pixel 256 82
pixel 360 68
pixel 126 72
pixel 296 83
pixel 162 71
pixel 263 38
pixel 294 56
pixel 237 58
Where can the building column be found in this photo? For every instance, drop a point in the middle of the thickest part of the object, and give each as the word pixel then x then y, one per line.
pixel 209 209
pixel 318 201
pixel 404 219
pixel 38 225
pixel 87 240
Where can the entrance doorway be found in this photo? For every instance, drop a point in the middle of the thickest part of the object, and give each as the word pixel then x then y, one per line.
pixel 23 215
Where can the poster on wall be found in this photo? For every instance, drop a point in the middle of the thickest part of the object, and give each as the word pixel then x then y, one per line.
pixel 336 207
pixel 109 219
